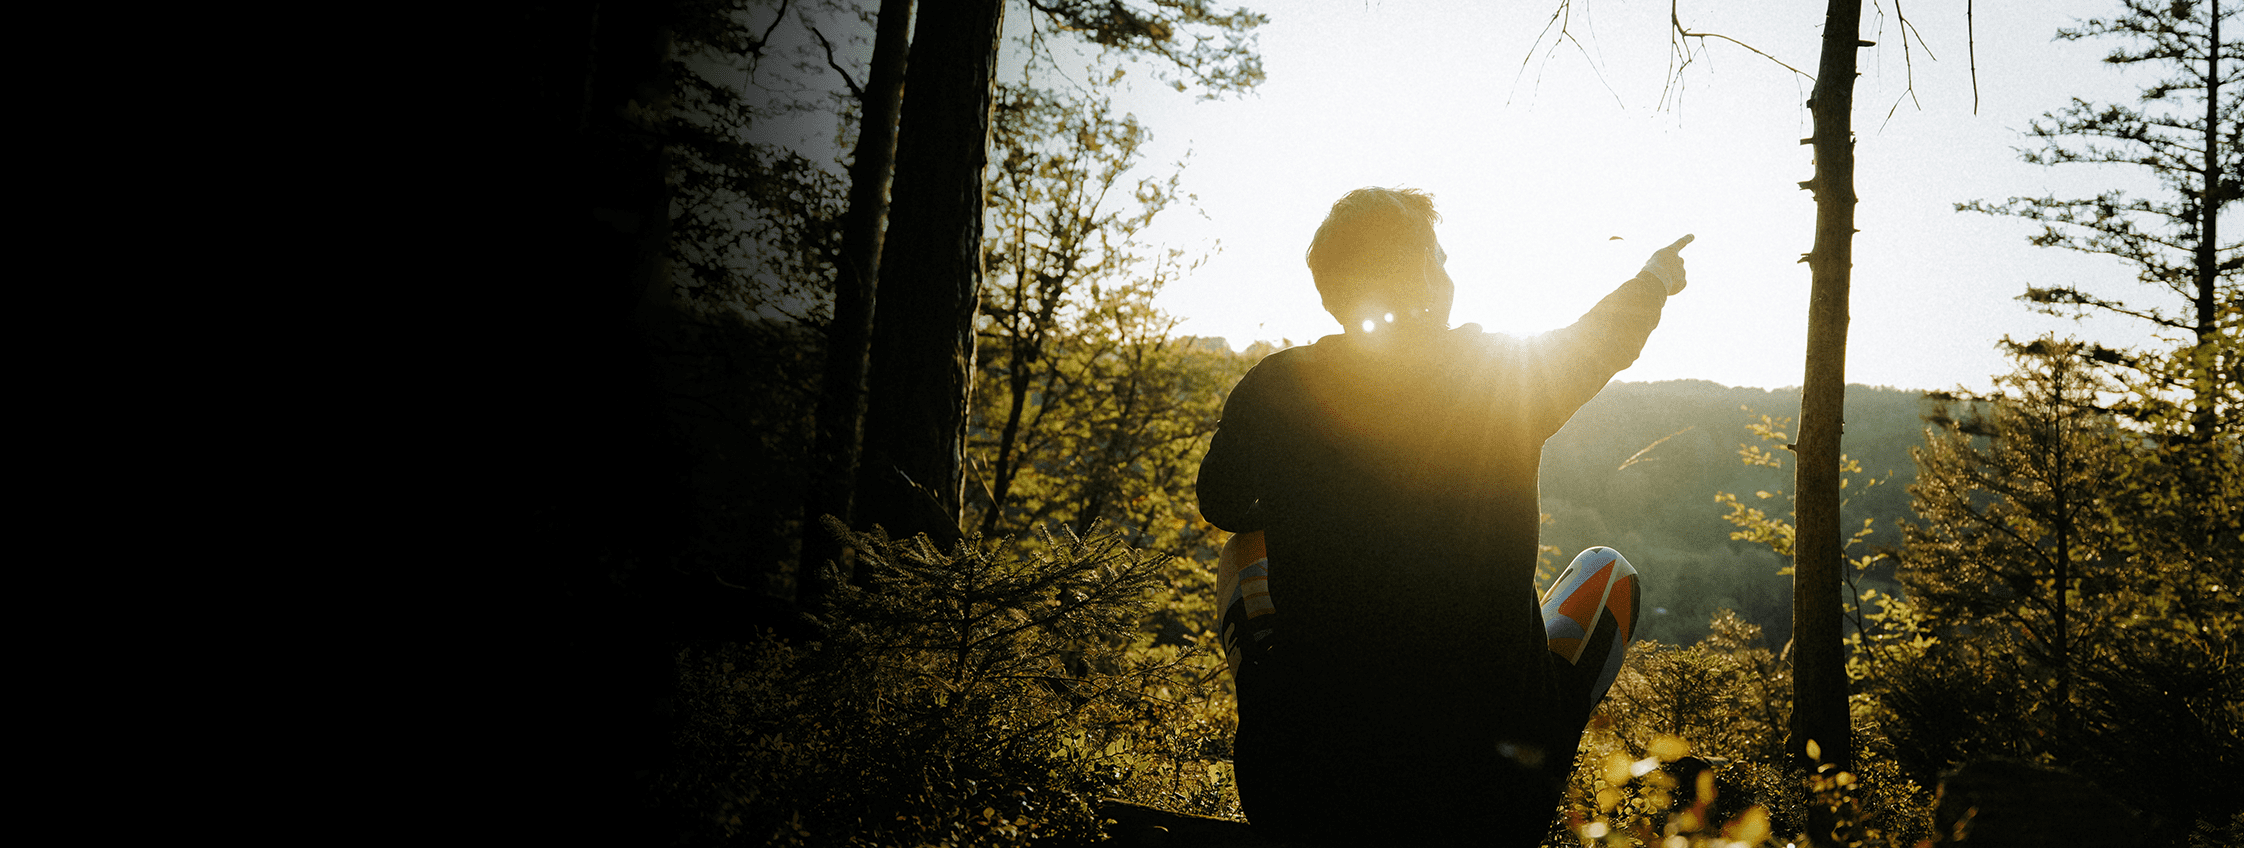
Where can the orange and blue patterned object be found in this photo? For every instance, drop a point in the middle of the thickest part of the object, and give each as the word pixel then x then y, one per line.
pixel 1247 626
pixel 1599 584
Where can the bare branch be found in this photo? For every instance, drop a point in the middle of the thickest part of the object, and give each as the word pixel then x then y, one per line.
pixel 1639 455
pixel 1560 18
pixel 755 49
pixel 1971 49
pixel 1908 62
pixel 1675 21
pixel 855 91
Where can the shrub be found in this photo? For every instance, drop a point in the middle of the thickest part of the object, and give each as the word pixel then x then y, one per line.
pixel 987 695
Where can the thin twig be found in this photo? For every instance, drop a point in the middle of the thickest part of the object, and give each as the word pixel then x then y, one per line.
pixel 756 51
pixel 1680 31
pixel 1560 18
pixel 1639 455
pixel 855 91
pixel 1677 34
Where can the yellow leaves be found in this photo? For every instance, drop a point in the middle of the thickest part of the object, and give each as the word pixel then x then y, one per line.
pixel 1617 766
pixel 1755 525
pixel 1770 428
pixel 1668 747
pixel 1750 827
pixel 1752 455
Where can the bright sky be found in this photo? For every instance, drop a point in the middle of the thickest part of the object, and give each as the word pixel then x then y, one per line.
pixel 1534 169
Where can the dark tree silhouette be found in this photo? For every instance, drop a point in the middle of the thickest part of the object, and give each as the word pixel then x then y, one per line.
pixel 838 435
pixel 2187 132
pixel 1819 715
pixel 922 347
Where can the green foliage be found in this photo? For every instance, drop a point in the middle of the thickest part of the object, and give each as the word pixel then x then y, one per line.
pixel 753 108
pixel 1720 705
pixel 1760 527
pixel 981 695
pixel 2006 490
pixel 1726 694
pixel 1088 407
pixel 2195 384
pixel 986 695
pixel 1603 485
pixel 2072 595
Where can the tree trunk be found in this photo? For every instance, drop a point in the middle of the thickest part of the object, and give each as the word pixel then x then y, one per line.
pixel 841 400
pixel 2204 384
pixel 1819 712
pixel 912 472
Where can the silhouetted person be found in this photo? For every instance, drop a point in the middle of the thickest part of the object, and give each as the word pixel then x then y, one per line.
pixel 1397 682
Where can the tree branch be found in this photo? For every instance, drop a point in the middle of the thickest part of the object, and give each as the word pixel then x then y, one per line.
pixel 1560 17
pixel 856 91
pixel 1675 21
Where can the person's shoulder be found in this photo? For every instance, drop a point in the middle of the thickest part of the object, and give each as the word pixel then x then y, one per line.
pixel 1300 355
pixel 1472 337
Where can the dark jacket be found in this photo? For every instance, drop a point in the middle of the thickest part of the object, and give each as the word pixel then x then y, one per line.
pixel 1394 475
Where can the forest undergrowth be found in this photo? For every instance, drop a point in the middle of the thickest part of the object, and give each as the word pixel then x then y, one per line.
pixel 995 693
pixel 2066 605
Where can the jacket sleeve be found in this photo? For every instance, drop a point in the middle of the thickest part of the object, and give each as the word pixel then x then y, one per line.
pixel 1230 474
pixel 1567 367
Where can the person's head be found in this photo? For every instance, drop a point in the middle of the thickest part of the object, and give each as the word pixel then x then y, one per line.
pixel 1375 260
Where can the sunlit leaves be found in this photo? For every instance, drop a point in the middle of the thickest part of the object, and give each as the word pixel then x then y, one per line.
pixel 1688 752
pixel 1087 405
pixel 987 694
pixel 2061 587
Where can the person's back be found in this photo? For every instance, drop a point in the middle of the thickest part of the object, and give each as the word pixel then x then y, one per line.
pixel 1393 474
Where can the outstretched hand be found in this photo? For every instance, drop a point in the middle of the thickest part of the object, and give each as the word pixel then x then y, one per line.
pixel 1667 264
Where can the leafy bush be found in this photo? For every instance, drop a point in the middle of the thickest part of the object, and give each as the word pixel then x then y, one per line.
pixel 987 695
pixel 1687 750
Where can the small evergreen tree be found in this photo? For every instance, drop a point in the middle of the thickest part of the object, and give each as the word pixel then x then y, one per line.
pixel 2073 599
pixel 2006 490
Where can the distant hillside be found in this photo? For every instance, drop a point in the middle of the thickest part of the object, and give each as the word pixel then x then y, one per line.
pixel 1608 479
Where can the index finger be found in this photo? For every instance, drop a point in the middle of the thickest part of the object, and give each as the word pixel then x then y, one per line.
pixel 1679 243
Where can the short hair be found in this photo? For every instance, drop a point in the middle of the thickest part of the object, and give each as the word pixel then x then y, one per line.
pixel 1368 255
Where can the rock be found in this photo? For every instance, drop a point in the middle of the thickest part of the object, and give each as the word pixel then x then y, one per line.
pixel 2000 803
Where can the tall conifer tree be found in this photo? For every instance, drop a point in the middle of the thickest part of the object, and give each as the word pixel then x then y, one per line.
pixel 2185 132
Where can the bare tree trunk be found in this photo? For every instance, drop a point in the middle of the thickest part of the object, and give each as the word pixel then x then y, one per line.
pixel 1003 470
pixel 841 400
pixel 2203 383
pixel 912 471
pixel 2061 508
pixel 1819 714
